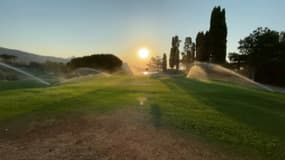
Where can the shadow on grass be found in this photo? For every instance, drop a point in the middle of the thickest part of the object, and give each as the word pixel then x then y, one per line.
pixel 155 115
pixel 258 109
pixel 262 112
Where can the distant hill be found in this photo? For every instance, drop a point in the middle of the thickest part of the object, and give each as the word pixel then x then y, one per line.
pixel 27 57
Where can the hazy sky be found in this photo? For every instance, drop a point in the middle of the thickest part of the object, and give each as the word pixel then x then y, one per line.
pixel 68 28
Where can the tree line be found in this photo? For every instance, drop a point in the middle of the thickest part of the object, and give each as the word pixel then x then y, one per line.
pixel 104 62
pixel 263 53
pixel 210 46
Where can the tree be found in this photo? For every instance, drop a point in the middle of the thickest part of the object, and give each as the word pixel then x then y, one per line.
pixel 199 45
pixel 7 58
pixel 265 49
pixel 164 63
pixel 218 35
pixel 188 54
pixel 193 51
pixel 172 58
pixel 155 64
pixel 174 53
pixel 105 62
pixel 177 58
pixel 207 53
pixel 202 53
pixel 202 46
pixel 184 60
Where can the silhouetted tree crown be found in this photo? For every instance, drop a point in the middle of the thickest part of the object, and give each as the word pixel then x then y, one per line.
pixel 265 49
pixel 174 53
pixel 164 62
pixel 202 47
pixel 218 35
pixel 105 62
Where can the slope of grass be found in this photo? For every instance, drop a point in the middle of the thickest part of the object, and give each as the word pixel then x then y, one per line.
pixel 242 118
pixel 246 120
pixel 19 84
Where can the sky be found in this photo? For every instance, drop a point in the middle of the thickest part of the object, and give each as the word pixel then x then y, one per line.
pixel 67 28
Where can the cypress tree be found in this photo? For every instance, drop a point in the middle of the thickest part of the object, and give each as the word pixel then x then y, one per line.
pixel 207 46
pixel 218 35
pixel 164 63
pixel 189 54
pixel 174 53
pixel 202 51
pixel 171 58
pixel 193 51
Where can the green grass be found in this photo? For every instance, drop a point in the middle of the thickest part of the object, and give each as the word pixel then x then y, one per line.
pixel 18 84
pixel 244 120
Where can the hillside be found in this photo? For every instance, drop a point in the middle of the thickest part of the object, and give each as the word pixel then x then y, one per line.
pixel 27 57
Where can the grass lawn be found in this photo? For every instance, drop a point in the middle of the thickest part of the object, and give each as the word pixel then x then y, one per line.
pixel 17 84
pixel 240 119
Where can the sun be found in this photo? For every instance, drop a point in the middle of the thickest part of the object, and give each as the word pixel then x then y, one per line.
pixel 143 53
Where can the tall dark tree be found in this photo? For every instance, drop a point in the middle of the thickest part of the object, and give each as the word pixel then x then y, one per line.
pixel 174 53
pixel 202 51
pixel 198 45
pixel 184 60
pixel 193 51
pixel 207 46
pixel 218 35
pixel 177 58
pixel 172 58
pixel 164 62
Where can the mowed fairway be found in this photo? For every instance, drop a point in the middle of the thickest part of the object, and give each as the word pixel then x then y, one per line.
pixel 215 120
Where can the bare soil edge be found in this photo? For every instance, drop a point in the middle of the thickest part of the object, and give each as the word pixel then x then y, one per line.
pixel 125 134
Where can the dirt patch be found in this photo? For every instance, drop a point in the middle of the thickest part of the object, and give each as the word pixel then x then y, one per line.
pixel 126 134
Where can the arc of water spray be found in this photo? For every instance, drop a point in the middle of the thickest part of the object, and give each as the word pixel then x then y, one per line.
pixel 25 73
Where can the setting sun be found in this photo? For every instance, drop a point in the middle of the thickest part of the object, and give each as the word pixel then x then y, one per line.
pixel 143 53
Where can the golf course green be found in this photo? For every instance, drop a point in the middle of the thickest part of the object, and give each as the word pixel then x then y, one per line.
pixel 243 120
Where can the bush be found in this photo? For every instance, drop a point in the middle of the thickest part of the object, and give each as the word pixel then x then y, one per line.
pixel 105 62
